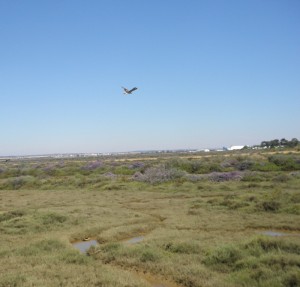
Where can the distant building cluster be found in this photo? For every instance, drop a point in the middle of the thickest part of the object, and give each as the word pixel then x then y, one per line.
pixel 236 147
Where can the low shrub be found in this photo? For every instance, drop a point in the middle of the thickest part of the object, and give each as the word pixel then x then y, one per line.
pixel 158 174
pixel 195 166
pixel 265 166
pixel 245 165
pixel 253 177
pixel 261 261
pixel 110 175
pixel 52 218
pixel 295 174
pixel 15 183
pixel 262 244
pixel 110 251
pixel 44 246
pixel 234 204
pixel 292 279
pixel 281 178
pixel 31 222
pixel 123 170
pixel 226 255
pixel 92 165
pixel 11 280
pixel 137 165
pixel 182 247
pixel 225 176
pixel 269 206
pixel 11 214
pixel 195 177
pixel 286 162
pixel 230 162
pixel 149 255
pixel 190 166
pixel 73 257
pixel 293 209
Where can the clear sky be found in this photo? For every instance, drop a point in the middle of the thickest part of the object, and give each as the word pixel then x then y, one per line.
pixel 209 74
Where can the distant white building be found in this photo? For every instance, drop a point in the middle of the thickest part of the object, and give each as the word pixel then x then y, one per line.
pixel 236 147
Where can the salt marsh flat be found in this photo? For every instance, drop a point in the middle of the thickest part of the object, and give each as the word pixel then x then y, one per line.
pixel 200 221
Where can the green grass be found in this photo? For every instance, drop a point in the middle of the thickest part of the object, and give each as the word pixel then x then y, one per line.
pixel 198 228
pixel 259 262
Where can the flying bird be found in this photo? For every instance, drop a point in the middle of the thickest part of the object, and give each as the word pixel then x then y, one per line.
pixel 128 92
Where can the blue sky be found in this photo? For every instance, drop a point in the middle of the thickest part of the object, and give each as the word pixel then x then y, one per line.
pixel 210 74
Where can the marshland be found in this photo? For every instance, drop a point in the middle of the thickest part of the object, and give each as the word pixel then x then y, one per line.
pixel 184 220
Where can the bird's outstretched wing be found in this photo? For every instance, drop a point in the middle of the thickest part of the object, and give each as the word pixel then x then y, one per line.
pixel 133 89
pixel 126 90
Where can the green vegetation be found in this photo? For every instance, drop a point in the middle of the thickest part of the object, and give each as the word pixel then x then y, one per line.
pixel 280 143
pixel 202 219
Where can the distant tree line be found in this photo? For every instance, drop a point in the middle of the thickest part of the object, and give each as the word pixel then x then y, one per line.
pixel 280 143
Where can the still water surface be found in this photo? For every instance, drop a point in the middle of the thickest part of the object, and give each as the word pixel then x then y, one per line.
pixel 83 246
pixel 277 233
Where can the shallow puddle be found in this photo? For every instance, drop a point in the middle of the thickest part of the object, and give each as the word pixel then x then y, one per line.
pixel 277 233
pixel 83 246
